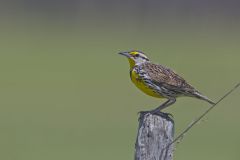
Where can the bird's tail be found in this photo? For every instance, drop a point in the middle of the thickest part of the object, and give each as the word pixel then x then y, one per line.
pixel 202 97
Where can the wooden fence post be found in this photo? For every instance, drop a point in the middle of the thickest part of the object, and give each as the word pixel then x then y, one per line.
pixel 155 133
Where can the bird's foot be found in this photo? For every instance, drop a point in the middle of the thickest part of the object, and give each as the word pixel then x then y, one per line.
pixel 156 112
pixel 143 112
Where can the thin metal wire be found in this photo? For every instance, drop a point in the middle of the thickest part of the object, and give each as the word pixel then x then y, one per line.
pixel 200 117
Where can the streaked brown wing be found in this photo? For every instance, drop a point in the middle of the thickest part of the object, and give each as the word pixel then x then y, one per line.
pixel 164 76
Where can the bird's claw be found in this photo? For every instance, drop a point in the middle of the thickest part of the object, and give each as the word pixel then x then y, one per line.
pixel 156 112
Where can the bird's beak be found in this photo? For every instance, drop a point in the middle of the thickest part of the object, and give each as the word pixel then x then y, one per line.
pixel 125 54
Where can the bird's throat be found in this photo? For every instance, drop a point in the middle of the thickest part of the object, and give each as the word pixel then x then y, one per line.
pixel 132 63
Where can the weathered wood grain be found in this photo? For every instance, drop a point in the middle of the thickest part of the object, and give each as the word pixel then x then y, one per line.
pixel 155 132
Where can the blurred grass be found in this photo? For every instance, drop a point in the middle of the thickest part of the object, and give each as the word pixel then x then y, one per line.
pixel 66 94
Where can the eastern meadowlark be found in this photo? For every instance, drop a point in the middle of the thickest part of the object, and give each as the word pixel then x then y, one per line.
pixel 159 81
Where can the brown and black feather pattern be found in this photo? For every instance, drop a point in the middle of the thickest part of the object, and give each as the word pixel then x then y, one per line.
pixel 166 82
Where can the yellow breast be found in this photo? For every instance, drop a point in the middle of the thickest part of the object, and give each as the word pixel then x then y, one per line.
pixel 142 86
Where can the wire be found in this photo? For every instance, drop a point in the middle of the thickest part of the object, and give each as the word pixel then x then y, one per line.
pixel 200 117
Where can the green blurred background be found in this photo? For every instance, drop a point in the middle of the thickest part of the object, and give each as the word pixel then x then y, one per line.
pixel 66 94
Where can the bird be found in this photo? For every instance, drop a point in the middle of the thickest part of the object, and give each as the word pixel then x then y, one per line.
pixel 159 81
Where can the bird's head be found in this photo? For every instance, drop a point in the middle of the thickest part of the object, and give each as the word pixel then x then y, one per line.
pixel 135 57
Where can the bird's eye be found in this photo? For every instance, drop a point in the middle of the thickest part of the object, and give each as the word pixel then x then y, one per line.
pixel 137 55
